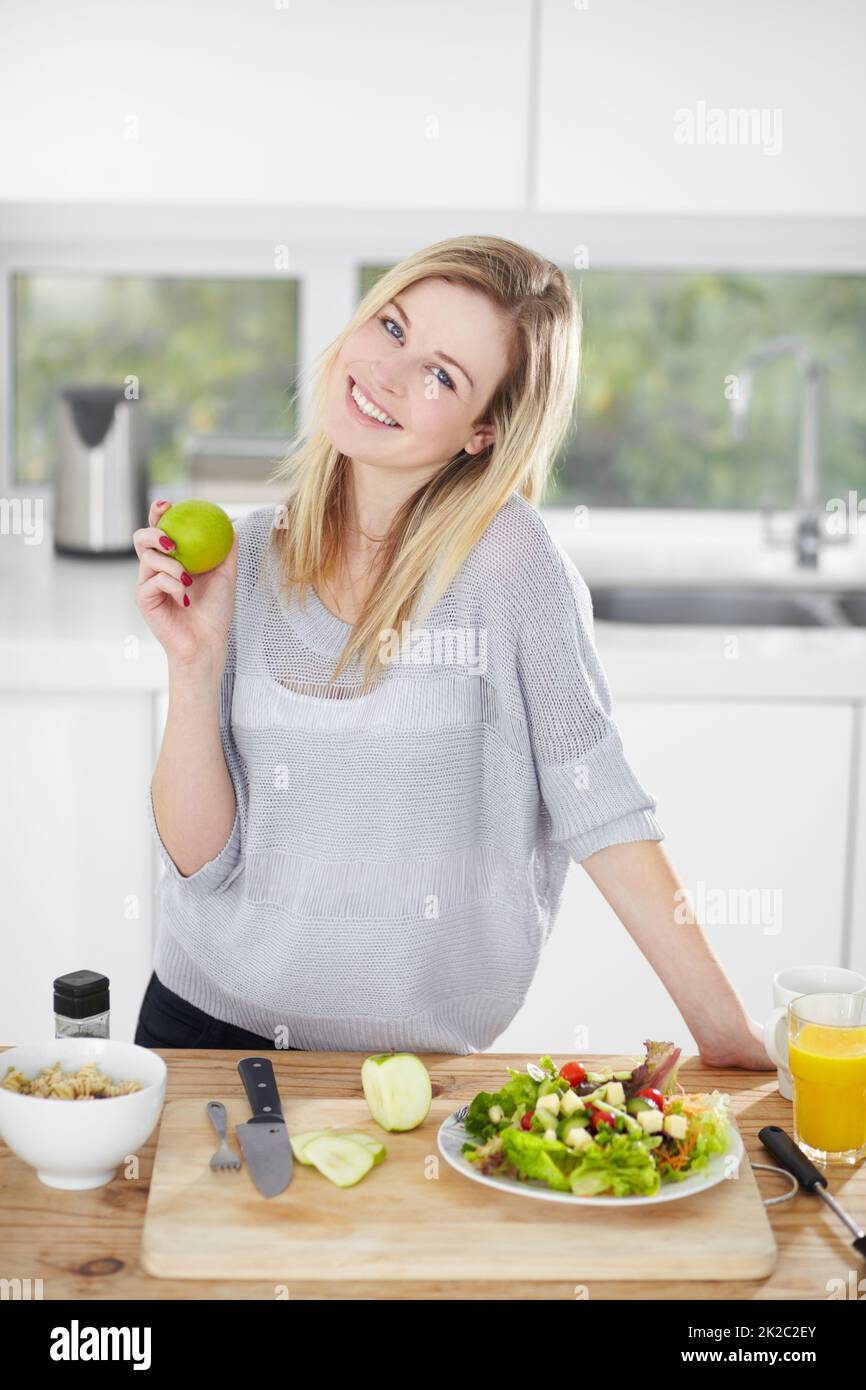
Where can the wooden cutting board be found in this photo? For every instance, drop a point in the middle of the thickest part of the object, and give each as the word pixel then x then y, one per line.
pixel 414 1217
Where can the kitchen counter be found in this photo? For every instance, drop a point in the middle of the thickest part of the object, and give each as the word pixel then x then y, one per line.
pixel 72 624
pixel 85 1245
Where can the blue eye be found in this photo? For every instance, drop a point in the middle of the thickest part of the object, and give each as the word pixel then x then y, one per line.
pixel 447 380
pixel 395 323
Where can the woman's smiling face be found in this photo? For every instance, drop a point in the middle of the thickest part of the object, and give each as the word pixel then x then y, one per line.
pixel 431 360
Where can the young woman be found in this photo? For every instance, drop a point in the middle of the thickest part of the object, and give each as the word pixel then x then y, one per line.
pixel 388 731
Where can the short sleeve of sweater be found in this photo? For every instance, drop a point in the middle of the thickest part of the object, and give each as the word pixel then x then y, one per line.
pixel 218 872
pixel 587 784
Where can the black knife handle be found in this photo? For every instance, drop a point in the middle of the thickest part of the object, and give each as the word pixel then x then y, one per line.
pixel 260 1084
pixel 791 1156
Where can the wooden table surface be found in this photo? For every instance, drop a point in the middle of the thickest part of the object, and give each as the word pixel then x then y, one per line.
pixel 86 1244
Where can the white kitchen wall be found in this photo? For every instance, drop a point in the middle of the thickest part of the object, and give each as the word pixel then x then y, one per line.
pixel 498 103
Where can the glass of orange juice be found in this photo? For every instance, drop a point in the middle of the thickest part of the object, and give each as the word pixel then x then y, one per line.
pixel 827 1050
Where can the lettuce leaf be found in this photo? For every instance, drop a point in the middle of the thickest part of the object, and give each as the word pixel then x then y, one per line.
pixel 533 1156
pixel 520 1091
pixel 477 1120
pixel 659 1069
pixel 620 1164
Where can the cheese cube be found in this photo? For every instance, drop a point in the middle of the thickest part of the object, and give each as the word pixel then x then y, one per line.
pixel 677 1126
pixel 650 1121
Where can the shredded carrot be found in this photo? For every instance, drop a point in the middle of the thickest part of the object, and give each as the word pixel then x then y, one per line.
pixel 678 1160
pixel 693 1105
pixel 683 1154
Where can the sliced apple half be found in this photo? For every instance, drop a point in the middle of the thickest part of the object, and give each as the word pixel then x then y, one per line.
pixel 397 1089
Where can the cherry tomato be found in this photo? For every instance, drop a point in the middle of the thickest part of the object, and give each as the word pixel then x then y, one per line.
pixel 656 1097
pixel 602 1115
pixel 573 1072
pixel 526 1122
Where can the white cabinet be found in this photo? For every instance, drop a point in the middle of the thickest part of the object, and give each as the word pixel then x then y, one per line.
pixel 78 863
pixel 457 106
pixel 751 796
pixel 764 134
pixel 300 104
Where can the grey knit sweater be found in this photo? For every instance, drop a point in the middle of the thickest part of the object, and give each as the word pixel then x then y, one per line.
pixel 397 860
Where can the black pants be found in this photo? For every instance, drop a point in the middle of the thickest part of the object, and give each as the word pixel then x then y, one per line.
pixel 166 1020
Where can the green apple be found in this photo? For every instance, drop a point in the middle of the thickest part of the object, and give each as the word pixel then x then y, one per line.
pixel 202 533
pixel 397 1089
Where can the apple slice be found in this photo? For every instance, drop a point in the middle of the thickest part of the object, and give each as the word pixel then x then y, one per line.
pixel 397 1090
pixel 339 1158
pixel 298 1142
pixel 377 1149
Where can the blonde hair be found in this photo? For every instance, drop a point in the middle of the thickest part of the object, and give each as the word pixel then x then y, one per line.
pixel 436 528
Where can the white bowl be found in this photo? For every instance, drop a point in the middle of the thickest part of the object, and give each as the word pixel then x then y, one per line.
pixel 81 1143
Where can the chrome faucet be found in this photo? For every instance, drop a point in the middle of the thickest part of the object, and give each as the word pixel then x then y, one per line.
pixel 808 534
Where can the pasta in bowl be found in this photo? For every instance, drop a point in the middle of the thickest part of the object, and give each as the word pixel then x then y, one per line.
pixel 76 1108
pixel 53 1083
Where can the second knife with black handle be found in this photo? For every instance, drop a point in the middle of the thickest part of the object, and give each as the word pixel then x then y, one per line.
pixel 780 1144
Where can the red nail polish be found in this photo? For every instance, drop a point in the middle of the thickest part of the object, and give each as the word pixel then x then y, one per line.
pixel 166 543
pixel 186 600
pixel 161 502
pixel 186 579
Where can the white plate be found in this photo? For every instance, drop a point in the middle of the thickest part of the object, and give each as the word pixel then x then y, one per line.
pixel 452 1135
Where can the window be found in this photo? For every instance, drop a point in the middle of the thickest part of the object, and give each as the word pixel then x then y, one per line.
pixel 214 358
pixel 653 422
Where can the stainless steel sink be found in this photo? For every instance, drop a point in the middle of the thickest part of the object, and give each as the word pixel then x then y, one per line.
pixel 729 607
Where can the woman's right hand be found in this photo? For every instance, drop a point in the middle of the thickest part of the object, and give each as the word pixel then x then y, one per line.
pixel 194 634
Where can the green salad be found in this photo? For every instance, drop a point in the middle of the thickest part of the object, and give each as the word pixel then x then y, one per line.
pixel 619 1133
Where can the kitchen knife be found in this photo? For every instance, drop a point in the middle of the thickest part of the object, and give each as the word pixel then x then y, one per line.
pixel 791 1156
pixel 264 1139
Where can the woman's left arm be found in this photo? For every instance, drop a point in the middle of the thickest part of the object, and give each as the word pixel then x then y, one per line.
pixel 641 885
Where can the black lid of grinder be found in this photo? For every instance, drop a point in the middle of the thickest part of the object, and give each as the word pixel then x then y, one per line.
pixel 81 994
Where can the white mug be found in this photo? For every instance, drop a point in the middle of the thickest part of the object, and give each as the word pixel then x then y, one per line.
pixel 790 984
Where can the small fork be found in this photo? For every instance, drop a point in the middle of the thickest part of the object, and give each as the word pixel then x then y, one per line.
pixel 223 1158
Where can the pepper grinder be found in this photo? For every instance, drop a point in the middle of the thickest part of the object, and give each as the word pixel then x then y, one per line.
pixel 81 1005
